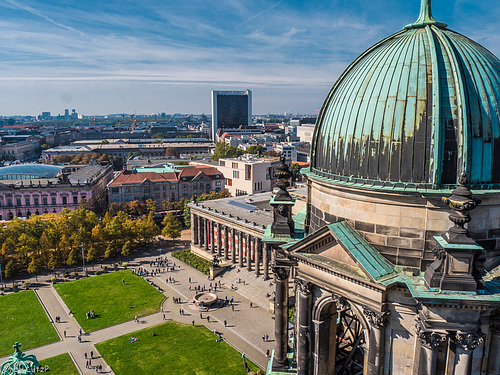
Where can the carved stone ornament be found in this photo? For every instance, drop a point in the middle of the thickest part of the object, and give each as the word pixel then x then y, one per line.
pixel 430 339
pixel 281 273
pixel 495 324
pixel 340 301
pixel 305 287
pixel 468 341
pixel 377 319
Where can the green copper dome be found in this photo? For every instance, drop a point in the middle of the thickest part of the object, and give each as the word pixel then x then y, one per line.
pixel 414 110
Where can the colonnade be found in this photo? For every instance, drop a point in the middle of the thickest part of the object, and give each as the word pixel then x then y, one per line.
pixel 229 243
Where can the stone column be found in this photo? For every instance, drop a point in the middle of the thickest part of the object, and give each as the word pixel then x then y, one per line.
pixel 233 246
pixel 376 343
pixel 265 261
pixel 206 231
pixel 194 229
pixel 256 251
pixel 429 342
pixel 200 231
pixel 248 243
pixel 240 249
pixel 494 354
pixel 226 242
pixel 303 336
pixel 465 344
pixel 219 240
pixel 281 318
pixel 212 237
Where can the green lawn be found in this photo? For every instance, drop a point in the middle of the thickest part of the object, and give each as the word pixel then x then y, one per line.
pixel 60 365
pixel 23 319
pixel 178 349
pixel 112 301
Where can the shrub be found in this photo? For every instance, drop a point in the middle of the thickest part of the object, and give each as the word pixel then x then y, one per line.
pixel 26 285
pixel 125 265
pixel 193 260
pixel 53 279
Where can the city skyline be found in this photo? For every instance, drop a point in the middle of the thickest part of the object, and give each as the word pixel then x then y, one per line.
pixel 153 56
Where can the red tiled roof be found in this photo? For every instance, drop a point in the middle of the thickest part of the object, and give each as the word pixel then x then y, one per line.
pixel 131 178
pixel 128 177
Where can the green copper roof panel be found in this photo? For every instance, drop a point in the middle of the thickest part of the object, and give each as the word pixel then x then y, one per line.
pixel 369 258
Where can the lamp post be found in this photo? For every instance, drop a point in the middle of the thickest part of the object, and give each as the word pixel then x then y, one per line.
pixel 83 259
pixel 1 278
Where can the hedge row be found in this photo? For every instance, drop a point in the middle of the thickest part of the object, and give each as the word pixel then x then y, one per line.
pixel 193 260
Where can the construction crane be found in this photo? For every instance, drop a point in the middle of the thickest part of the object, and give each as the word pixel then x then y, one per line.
pixel 133 121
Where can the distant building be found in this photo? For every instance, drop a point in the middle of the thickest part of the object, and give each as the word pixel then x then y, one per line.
pixel 288 150
pixel 35 189
pixel 247 174
pixel 230 110
pixel 305 132
pixel 19 150
pixel 164 183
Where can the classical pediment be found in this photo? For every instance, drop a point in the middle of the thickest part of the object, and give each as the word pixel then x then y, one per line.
pixel 338 246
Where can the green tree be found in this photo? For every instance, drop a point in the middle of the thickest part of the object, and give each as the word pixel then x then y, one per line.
pixel 157 136
pixel 172 227
pixel 254 150
pixel 223 150
pixel 151 205
pixel 11 270
pixel 34 267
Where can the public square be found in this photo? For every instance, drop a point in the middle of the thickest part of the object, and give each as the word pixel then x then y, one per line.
pixel 247 321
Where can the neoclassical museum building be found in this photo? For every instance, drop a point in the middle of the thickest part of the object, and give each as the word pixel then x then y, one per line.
pixel 395 263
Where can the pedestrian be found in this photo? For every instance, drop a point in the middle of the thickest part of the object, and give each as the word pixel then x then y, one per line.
pixel 251 305
pixel 80 331
pixel 232 307
pixel 208 318
pixel 85 355
pixel 264 338
pixel 64 334
pixel 225 323
pixel 123 281
pixel 163 316
pixel 86 363
pixel 267 337
pixel 192 323
pixel 91 354
pixel 201 317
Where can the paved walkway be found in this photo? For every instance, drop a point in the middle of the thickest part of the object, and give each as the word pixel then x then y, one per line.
pixel 247 322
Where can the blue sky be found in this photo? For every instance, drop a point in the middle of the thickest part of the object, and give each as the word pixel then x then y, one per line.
pixel 150 56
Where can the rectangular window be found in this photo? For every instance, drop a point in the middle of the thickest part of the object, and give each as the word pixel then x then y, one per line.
pixel 127 190
pixel 18 202
pixel 75 200
pixel 45 201
pixel 116 199
pixel 128 198
pixel 229 182
pixel 9 202
pixel 27 201
pixel 234 165
pixel 222 163
pixel 64 200
pixel 172 186
pixel 218 183
pixel 53 199
pixel 248 172
pixel 115 190
pixel 146 190
pixel 137 190
pixel 236 174
pixel 37 202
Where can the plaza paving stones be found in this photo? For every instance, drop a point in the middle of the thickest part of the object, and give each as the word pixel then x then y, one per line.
pixel 245 329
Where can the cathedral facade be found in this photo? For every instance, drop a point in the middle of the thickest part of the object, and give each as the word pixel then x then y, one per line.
pixel 396 268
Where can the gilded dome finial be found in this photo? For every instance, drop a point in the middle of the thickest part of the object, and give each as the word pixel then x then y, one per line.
pixel 425 18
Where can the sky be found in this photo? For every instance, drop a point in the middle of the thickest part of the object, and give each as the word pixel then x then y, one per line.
pixel 150 56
